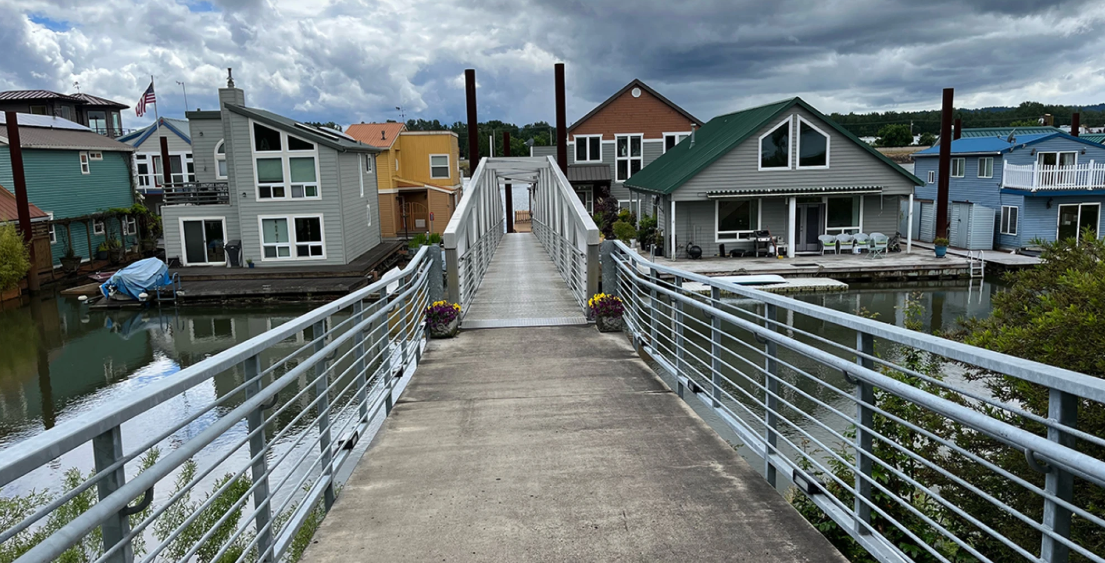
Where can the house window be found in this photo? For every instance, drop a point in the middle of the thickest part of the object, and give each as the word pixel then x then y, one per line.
pixel 67 114
pixel 843 215
pixel 736 218
pixel 220 161
pixel 98 226
pixel 143 167
pixel 775 147
pixel 39 110
pixel 813 146
pixel 932 176
pixel 53 232
pixel 288 168
pixel 1009 219
pixel 190 167
pixel 586 196
pixel 986 167
pixel 84 163
pixel 1051 172
pixel 368 158
pixel 130 226
pixel 628 155
pixel 439 166
pixel 588 148
pixel 304 180
pixel 96 155
pixel 304 236
pixel 958 166
pixel 672 139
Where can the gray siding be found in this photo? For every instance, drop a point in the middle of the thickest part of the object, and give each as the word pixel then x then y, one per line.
pixel 651 150
pixel 205 133
pixel 359 237
pixel 880 214
pixel 849 164
pixel 172 214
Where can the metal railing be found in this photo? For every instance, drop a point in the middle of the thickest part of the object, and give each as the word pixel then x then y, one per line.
pixel 473 233
pixel 279 416
pixel 911 460
pixel 566 230
pixel 197 193
pixel 1050 177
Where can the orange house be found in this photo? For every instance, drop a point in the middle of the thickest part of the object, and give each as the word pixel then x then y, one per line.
pixel 418 176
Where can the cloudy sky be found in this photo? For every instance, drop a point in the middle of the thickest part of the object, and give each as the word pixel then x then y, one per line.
pixel 355 60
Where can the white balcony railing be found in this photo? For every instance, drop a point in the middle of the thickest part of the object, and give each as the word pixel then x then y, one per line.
pixel 1037 177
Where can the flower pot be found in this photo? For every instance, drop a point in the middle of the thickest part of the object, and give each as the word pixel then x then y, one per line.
pixel 940 251
pixel 609 323
pixel 70 265
pixel 101 255
pixel 444 330
pixel 250 264
pixel 116 255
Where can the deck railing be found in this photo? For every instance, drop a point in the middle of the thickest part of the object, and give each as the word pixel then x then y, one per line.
pixel 197 193
pixel 473 234
pixel 855 414
pixel 566 230
pixel 1047 177
pixel 278 418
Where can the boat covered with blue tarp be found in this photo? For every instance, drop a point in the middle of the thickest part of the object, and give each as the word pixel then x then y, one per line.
pixel 143 276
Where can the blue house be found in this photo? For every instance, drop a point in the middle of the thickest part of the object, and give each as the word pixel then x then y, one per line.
pixel 1040 186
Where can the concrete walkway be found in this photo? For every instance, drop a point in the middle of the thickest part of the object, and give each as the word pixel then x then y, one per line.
pixel 554 444
pixel 522 288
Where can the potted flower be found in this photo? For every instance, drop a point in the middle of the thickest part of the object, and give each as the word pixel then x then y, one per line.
pixel 443 319
pixel 70 261
pixel 249 262
pixel 940 246
pixel 115 250
pixel 101 251
pixel 607 311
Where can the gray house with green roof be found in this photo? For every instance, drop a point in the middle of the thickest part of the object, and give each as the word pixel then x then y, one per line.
pixel 783 167
pixel 289 193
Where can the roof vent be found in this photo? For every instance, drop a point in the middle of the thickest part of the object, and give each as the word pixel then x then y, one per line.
pixel 383 136
pixel 229 77
pixel 693 129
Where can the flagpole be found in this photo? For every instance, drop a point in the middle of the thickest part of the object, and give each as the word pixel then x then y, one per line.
pixel 157 119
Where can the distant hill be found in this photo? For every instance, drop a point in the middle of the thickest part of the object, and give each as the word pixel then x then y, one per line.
pixel 928 121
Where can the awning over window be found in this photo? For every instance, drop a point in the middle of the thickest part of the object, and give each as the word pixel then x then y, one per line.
pixel 795 191
pixel 582 173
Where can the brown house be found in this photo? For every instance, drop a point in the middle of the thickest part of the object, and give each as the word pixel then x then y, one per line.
pixel 618 138
pixel 99 114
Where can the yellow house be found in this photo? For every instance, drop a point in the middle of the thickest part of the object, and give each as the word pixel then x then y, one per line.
pixel 418 176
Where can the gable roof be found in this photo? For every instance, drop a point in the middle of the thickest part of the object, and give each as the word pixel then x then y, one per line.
pixel 721 135
pixel 336 141
pixel 90 100
pixel 382 135
pixel 1093 137
pixel 9 211
pixel 47 132
pixel 1003 132
pixel 17 95
pixel 998 145
pixel 178 126
pixel 638 84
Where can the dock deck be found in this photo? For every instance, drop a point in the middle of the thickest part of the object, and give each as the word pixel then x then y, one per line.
pixel 921 264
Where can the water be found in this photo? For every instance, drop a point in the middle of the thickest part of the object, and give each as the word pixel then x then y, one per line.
pixel 59 360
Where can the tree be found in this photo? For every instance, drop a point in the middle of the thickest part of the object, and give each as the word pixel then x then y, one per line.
pixel 927 140
pixel 328 125
pixel 1025 123
pixel 894 136
pixel 14 258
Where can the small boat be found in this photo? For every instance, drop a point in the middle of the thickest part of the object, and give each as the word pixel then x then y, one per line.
pixel 137 281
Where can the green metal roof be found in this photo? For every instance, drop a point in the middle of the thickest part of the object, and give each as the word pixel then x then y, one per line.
pixel 336 141
pixel 1004 132
pixel 1094 137
pixel 721 135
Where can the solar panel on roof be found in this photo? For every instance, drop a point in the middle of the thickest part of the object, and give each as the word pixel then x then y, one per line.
pixel 316 130
pixel 338 133
pixel 31 120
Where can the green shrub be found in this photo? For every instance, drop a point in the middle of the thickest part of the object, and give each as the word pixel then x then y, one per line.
pixel 15 260
pixel 624 231
pixel 417 241
pixel 435 238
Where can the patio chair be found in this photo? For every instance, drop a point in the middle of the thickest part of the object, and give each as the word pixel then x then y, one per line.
pixel 879 243
pixel 863 242
pixel 844 242
pixel 828 242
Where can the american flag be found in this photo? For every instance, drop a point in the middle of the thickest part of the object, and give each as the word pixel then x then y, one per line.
pixel 147 98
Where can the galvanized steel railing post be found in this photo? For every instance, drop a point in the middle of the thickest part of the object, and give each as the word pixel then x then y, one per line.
pixel 715 348
pixel 360 365
pixel 654 277
pixel 609 270
pixel 257 449
pixel 771 396
pixel 322 391
pixel 435 285
pixel 383 345
pixel 865 395
pixel 593 265
pixel 677 329
pixel 107 448
pixel 452 274
pixel 1063 409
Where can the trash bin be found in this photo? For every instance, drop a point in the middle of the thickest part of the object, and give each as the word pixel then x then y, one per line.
pixel 233 251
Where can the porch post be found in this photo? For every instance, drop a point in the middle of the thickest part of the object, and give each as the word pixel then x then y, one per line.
pixel 909 227
pixel 792 208
pixel 673 242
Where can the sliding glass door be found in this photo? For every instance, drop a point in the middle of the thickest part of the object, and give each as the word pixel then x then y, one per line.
pixel 203 241
pixel 1075 218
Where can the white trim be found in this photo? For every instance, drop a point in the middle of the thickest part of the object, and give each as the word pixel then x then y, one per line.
pixel 98 227
pixel 448 169
pixel 1078 231
pixel 575 153
pixel 292 242
pixel 739 234
pixel 184 245
pixel 95 155
pixel 368 213
pixel 130 226
pixel 361 173
pixel 798 145
pixel 84 161
pixel 370 163
pixel 53 231
pixel 982 158
pixel 789 122
pixel 214 337
pixel 284 155
pixel 1003 224
pixel 962 167
pixel 664 138
pixel 154 171
pixel 222 158
pixel 628 159
pixel 932 177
